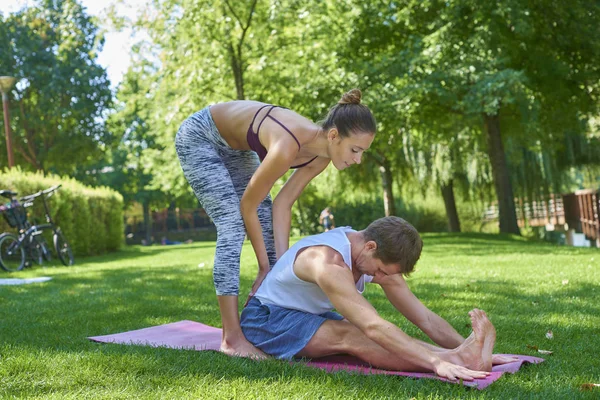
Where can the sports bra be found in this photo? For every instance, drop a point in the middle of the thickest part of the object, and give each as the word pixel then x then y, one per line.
pixel 255 144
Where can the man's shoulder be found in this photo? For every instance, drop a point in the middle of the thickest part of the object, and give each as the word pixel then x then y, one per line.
pixel 322 253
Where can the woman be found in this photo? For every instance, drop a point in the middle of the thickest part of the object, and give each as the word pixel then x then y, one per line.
pixel 233 153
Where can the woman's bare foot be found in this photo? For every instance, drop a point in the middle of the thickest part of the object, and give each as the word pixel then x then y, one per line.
pixel 242 348
pixel 476 351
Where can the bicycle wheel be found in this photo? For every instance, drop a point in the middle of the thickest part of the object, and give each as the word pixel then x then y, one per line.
pixel 46 253
pixel 12 256
pixel 65 254
pixel 35 250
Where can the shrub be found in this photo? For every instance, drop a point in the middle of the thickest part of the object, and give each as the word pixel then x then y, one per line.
pixel 91 218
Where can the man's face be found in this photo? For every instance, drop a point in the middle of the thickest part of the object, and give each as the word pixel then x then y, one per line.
pixel 368 264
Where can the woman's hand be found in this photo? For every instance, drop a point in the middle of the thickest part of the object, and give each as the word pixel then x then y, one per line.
pixel 260 277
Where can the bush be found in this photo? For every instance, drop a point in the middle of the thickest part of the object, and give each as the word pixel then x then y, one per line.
pixel 91 218
pixel 305 214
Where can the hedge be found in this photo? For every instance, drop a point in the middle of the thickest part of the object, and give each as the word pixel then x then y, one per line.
pixel 90 218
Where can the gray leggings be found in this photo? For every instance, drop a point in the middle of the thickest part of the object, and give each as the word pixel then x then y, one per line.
pixel 219 175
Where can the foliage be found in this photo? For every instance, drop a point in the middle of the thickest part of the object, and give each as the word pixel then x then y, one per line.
pixel 57 107
pixel 240 50
pixel 131 123
pixel 433 72
pixel 91 218
pixel 455 64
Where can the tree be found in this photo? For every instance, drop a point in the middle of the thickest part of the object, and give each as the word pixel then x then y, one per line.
pixel 258 50
pixel 522 69
pixel 131 123
pixel 63 94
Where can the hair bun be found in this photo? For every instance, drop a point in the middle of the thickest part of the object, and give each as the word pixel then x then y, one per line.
pixel 351 97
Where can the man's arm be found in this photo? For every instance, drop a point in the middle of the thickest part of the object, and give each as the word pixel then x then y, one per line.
pixel 333 276
pixel 434 326
pixel 338 284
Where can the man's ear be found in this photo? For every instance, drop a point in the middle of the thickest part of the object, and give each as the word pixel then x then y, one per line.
pixel 371 245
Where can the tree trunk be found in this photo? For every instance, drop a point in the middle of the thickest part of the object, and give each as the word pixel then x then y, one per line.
pixel 450 204
pixel 238 75
pixel 388 193
pixel 147 222
pixel 504 193
pixel 235 53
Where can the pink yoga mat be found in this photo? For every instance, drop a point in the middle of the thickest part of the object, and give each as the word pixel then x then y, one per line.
pixel 196 336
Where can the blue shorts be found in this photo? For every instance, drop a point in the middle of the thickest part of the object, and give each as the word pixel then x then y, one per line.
pixel 281 332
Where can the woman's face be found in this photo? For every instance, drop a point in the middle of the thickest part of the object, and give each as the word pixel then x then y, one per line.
pixel 345 152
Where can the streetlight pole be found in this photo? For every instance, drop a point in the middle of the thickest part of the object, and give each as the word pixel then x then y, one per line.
pixel 6 83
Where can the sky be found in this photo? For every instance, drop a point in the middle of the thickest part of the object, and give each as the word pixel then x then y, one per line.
pixel 115 54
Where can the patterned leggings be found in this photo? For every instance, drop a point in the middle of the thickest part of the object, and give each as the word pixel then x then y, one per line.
pixel 219 175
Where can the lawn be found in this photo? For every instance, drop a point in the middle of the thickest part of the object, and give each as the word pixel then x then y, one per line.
pixel 526 288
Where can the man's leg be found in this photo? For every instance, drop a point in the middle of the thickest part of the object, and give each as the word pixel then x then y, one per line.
pixel 341 337
pixel 483 325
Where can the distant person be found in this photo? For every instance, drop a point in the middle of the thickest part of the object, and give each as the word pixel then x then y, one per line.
pixel 326 219
pixel 233 153
pixel 148 243
pixel 167 242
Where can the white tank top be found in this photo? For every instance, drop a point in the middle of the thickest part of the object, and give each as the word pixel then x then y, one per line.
pixel 283 288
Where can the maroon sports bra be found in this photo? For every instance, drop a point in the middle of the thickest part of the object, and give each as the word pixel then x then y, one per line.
pixel 255 144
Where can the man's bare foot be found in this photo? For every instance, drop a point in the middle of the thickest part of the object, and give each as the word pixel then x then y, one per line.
pixel 489 342
pixel 242 348
pixel 476 351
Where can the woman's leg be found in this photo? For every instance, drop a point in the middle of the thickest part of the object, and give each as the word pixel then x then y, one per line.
pixel 205 171
pixel 241 166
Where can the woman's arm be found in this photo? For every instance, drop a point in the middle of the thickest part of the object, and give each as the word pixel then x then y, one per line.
pixel 289 193
pixel 275 164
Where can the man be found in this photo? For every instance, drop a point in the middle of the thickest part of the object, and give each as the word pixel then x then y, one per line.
pixel 290 314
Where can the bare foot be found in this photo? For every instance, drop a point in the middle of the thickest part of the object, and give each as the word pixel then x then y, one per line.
pixel 242 348
pixel 476 351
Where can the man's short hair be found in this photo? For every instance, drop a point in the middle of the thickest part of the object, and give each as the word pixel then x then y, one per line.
pixel 398 242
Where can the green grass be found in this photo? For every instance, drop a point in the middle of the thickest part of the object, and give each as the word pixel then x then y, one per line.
pixel 44 352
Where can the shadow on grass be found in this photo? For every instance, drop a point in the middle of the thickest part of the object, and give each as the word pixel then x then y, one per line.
pixel 60 314
pixel 134 252
pixel 483 244
pixel 492 296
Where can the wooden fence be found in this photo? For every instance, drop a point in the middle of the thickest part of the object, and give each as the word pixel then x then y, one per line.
pixel 533 213
pixel 580 210
pixel 172 223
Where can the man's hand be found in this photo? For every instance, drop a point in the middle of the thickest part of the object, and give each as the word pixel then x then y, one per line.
pixel 453 372
pixel 498 359
pixel 260 277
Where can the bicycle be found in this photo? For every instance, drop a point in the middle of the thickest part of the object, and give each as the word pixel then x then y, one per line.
pixel 15 249
pixel 15 216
